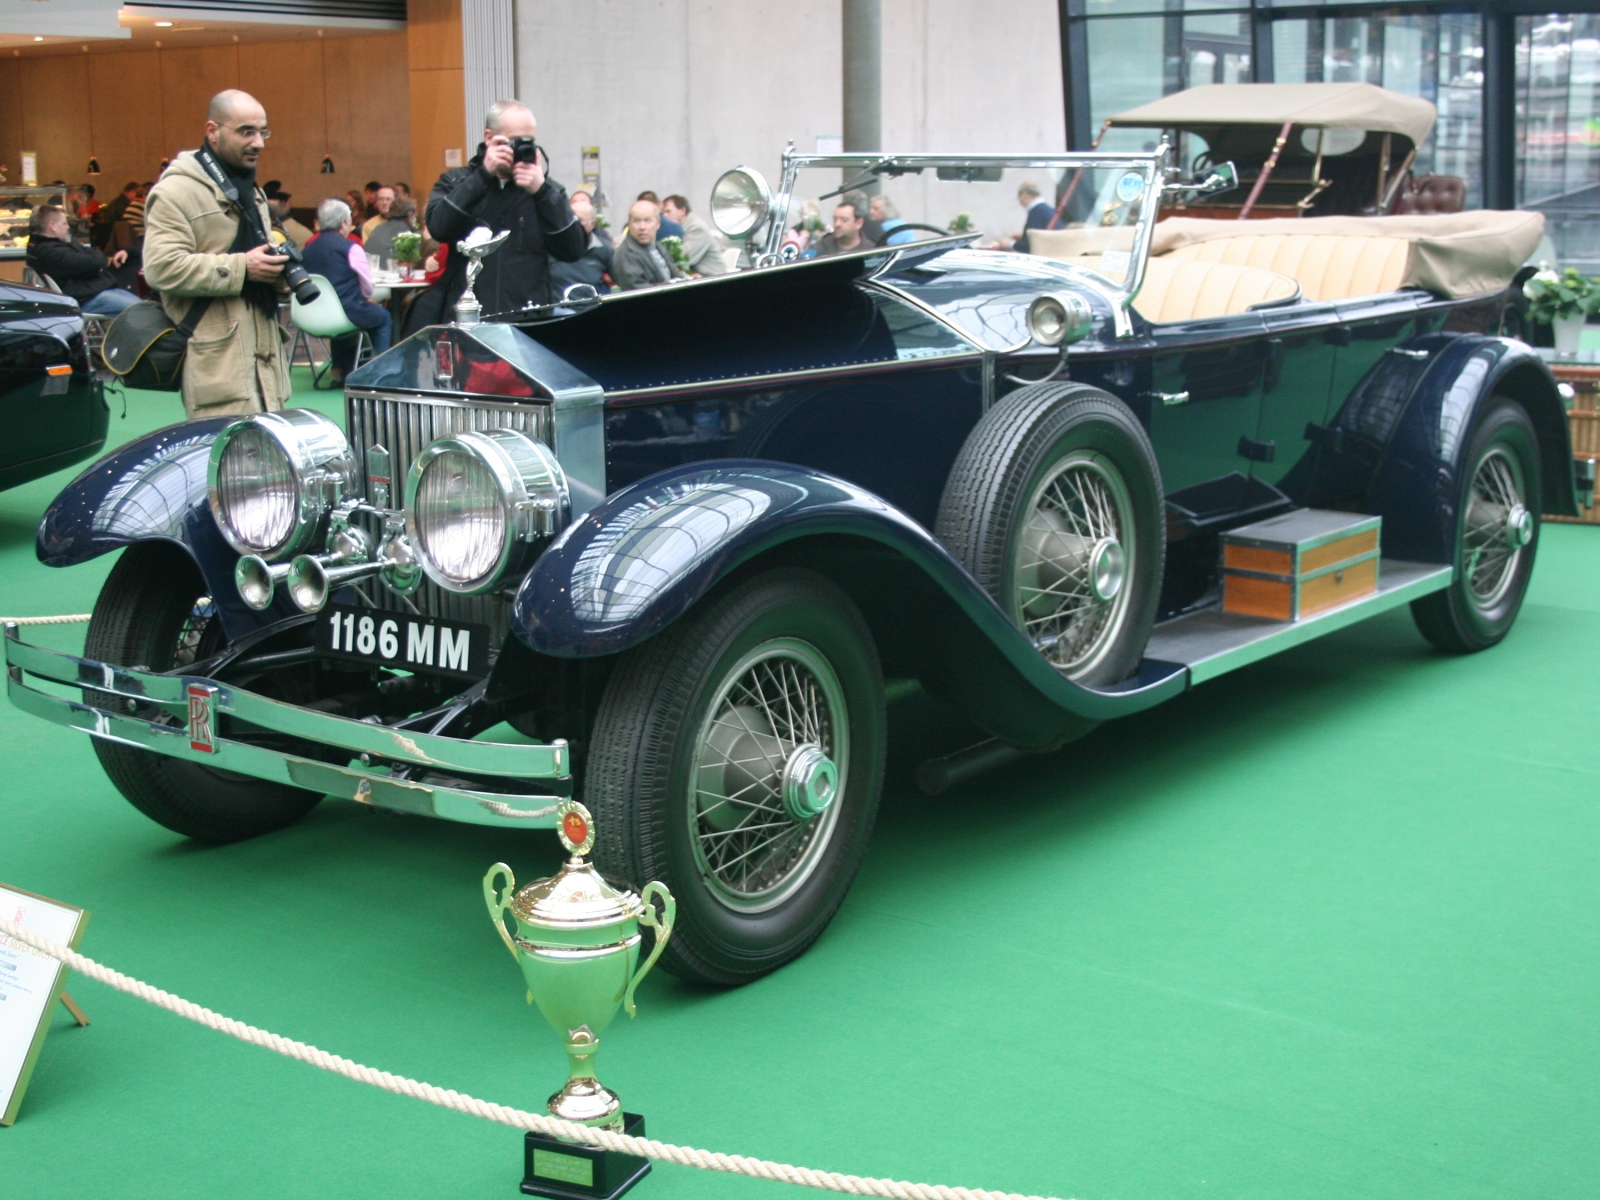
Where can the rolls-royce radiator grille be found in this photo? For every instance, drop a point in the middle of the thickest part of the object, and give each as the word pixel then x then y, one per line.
pixel 404 426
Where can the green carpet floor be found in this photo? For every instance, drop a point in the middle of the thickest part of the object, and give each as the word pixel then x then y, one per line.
pixel 1328 927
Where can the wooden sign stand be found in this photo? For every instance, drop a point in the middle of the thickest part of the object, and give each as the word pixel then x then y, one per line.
pixel 30 985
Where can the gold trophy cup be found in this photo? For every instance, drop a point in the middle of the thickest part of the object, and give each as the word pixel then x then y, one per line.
pixel 577 942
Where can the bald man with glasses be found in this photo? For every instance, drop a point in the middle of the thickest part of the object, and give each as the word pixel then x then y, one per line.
pixel 208 251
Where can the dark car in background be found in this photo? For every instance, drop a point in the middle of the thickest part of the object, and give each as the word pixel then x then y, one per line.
pixel 52 407
pixel 679 538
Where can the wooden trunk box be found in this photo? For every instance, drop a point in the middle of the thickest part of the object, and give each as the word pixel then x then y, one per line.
pixel 1583 419
pixel 1299 564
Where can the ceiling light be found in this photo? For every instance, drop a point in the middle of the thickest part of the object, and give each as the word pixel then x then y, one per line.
pixel 163 24
pixel 38 39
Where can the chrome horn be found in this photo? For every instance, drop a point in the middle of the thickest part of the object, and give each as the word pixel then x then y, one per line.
pixel 312 578
pixel 257 580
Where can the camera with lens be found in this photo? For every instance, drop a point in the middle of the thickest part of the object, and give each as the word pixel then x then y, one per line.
pixel 295 273
pixel 524 150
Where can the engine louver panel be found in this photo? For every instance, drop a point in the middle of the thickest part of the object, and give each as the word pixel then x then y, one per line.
pixel 405 425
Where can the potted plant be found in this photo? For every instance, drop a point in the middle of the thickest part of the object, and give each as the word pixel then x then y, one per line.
pixel 1562 301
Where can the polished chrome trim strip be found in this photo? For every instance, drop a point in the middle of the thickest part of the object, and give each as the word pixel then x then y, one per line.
pixel 923 307
pixel 1212 643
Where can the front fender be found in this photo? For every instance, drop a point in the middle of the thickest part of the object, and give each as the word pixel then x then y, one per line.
pixel 1417 481
pixel 642 558
pixel 153 489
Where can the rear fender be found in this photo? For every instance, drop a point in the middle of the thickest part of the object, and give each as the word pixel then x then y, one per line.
pixel 646 555
pixel 153 489
pixel 1416 482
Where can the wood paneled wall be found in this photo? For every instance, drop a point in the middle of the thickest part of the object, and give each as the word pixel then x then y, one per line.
pixel 345 97
pixel 438 89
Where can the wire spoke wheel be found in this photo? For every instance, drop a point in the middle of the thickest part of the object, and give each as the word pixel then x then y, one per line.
pixel 1497 527
pixel 769 759
pixel 1073 558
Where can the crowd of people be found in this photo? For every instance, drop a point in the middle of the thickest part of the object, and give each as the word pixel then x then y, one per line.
pixel 227 273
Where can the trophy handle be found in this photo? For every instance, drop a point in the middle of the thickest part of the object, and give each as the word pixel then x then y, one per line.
pixel 498 904
pixel 663 927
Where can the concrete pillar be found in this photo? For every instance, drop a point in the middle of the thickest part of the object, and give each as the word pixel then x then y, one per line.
pixel 863 74
pixel 489 59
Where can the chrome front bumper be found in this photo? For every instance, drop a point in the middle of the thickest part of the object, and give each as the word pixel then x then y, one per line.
pixel 374 750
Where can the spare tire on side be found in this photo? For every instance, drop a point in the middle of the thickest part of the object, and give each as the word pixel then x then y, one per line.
pixel 1055 506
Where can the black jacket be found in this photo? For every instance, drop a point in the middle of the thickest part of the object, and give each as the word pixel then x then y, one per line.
pixel 542 227
pixel 79 271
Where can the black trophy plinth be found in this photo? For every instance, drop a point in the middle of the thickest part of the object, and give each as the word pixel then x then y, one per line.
pixel 569 1171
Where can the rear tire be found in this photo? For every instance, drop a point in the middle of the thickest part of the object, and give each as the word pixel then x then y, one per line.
pixel 1498 500
pixel 706 741
pixel 153 612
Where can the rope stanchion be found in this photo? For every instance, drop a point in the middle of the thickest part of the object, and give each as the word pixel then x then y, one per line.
pixel 737 1164
pixel 67 619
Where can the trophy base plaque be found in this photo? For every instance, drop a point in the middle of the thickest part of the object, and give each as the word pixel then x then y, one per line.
pixel 569 1171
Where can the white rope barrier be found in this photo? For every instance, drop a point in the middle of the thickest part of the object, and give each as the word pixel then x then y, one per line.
pixel 738 1164
pixel 67 619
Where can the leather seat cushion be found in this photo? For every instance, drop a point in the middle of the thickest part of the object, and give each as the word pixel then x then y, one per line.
pixel 1328 267
pixel 1177 289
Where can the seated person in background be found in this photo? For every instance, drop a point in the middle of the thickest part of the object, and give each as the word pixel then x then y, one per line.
pixel 134 213
pixel 888 218
pixel 333 255
pixel 597 254
pixel 700 242
pixel 381 204
pixel 278 203
pixel 358 208
pixel 669 227
pixel 402 191
pixel 83 202
pixel 638 261
pixel 82 272
pixel 847 233
pixel 379 238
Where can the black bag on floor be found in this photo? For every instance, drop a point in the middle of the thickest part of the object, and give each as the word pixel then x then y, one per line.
pixel 144 349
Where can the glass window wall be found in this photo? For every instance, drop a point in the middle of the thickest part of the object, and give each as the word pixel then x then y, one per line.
pixel 1558 131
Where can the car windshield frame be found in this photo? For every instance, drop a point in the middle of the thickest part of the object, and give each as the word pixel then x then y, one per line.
pixel 1153 166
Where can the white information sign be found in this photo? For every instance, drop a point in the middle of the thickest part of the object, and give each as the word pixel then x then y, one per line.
pixel 30 985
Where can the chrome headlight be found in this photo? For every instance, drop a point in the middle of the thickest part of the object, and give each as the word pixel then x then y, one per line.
pixel 273 476
pixel 474 502
pixel 740 201
pixel 1060 318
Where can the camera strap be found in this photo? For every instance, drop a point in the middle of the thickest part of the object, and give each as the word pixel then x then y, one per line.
pixel 226 181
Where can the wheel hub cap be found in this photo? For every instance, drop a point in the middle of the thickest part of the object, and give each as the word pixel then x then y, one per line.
pixel 810 782
pixel 1519 527
pixel 1108 570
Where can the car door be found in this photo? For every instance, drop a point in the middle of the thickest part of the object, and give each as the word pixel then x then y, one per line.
pixel 1205 408
pixel 1301 353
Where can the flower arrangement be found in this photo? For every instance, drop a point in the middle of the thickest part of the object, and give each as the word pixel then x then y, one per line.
pixel 674 248
pixel 962 223
pixel 407 247
pixel 1556 297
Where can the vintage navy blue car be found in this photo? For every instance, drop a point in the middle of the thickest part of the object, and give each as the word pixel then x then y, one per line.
pixel 52 407
pixel 680 537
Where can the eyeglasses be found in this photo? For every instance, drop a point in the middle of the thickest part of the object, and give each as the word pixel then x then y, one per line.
pixel 249 131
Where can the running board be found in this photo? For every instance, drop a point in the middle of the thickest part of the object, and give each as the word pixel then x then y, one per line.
pixel 1213 642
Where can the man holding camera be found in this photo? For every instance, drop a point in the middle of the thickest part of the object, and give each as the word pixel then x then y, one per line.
pixel 206 244
pixel 506 186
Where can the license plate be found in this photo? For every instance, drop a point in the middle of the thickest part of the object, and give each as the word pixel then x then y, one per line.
pixel 391 639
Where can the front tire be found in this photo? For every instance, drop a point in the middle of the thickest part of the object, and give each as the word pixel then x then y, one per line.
pixel 1498 502
pixel 1054 504
pixel 153 612
pixel 738 758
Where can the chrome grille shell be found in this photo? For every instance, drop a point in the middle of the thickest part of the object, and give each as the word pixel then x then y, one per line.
pixel 405 424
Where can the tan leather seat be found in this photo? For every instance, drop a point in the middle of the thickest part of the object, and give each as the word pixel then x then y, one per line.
pixel 1329 267
pixel 1191 291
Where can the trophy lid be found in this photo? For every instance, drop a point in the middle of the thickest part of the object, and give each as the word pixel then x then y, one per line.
pixel 577 896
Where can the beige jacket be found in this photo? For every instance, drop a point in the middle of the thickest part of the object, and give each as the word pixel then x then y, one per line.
pixel 236 362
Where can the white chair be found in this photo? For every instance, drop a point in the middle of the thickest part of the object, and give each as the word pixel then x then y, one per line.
pixel 325 318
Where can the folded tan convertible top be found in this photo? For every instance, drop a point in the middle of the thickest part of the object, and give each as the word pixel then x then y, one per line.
pixel 1454 255
pixel 1319 105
